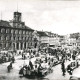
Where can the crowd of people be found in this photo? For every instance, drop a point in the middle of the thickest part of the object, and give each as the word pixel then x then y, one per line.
pixel 6 57
pixel 69 56
pixel 61 55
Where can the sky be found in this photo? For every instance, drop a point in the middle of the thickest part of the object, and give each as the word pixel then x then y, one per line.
pixel 58 16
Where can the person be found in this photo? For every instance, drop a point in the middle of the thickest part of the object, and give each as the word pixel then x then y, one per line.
pixel 21 70
pixel 31 65
pixel 22 55
pixel 29 70
pixel 63 68
pixel 39 70
pixel 69 70
pixel 36 70
pixel 13 59
pixel 46 59
pixel 9 67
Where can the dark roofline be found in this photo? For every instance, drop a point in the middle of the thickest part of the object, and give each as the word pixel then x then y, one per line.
pixel 6 24
pixel 42 33
pixel 16 13
pixel 17 28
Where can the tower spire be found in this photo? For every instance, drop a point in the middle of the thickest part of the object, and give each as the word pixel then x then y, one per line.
pixel 17 6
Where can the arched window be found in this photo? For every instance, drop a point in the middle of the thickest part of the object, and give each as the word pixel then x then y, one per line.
pixel 2 30
pixel 1 37
pixel 23 32
pixel 8 31
pixel 20 32
pixel 16 31
pixel 12 31
pixel 26 32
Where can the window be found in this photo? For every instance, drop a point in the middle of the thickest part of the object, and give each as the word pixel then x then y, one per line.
pixel 7 37
pixel 12 31
pixel 26 32
pixel 30 33
pixel 23 38
pixel 16 31
pixel 1 37
pixel 23 32
pixel 20 32
pixel 2 30
pixel 8 31
pixel 20 25
pixel 16 24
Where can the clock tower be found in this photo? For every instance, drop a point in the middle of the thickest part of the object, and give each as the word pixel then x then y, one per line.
pixel 17 16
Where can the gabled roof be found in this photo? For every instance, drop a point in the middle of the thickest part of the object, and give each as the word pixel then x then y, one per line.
pixel 41 33
pixel 4 23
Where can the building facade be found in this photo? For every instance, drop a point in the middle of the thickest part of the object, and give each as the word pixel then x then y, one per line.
pixel 15 34
pixel 45 39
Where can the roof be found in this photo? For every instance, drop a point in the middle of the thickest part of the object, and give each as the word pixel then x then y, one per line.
pixel 26 27
pixel 4 23
pixel 49 33
pixel 7 24
pixel 41 33
pixel 17 13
